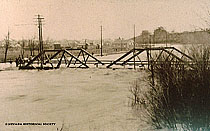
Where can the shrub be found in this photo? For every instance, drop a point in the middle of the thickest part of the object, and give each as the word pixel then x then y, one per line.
pixel 179 97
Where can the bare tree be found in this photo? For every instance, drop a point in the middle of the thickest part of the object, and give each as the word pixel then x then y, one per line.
pixel 22 49
pixel 31 47
pixel 6 47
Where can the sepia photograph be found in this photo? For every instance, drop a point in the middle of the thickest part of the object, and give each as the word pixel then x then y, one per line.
pixel 104 65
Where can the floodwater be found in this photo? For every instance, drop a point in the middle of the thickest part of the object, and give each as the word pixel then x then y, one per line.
pixel 75 99
pixel 79 99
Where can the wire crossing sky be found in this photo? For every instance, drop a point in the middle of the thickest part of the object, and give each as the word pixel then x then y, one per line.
pixel 81 19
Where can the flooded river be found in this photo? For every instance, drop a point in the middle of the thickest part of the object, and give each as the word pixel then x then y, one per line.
pixel 75 99
pixel 81 99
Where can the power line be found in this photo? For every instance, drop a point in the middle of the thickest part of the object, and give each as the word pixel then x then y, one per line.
pixel 23 24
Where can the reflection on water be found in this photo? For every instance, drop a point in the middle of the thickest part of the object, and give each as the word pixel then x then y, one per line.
pixel 82 99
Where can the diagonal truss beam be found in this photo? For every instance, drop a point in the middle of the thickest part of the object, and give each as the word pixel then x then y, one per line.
pixel 53 56
pixel 183 53
pixel 136 54
pixel 36 57
pixel 126 54
pixel 75 58
pixel 92 56
pixel 179 58
pixel 48 60
pixel 69 62
pixel 59 63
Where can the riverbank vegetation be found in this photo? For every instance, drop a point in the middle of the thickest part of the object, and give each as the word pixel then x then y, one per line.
pixel 178 97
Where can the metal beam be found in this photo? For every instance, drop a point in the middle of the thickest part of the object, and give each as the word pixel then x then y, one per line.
pixel 69 62
pixel 54 55
pixel 48 60
pixel 92 56
pixel 76 58
pixel 59 63
pixel 179 59
pixel 86 59
pixel 31 61
pixel 65 59
pixel 126 54
pixel 136 54
pixel 83 55
pixel 183 53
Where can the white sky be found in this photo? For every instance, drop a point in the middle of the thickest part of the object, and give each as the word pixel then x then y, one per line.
pixel 81 19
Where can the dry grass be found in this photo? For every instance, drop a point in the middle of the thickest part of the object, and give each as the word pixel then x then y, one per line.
pixel 179 96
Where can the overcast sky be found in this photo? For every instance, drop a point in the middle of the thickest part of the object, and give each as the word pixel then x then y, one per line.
pixel 81 19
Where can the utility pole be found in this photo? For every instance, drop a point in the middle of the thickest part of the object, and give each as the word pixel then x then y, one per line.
pixel 32 42
pixel 31 47
pixel 121 43
pixel 134 46
pixel 39 18
pixel 150 41
pixel 166 38
pixel 86 46
pixel 101 41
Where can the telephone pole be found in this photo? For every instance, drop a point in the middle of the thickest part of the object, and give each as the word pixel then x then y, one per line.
pixel 121 44
pixel 39 20
pixel 101 41
pixel 166 38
